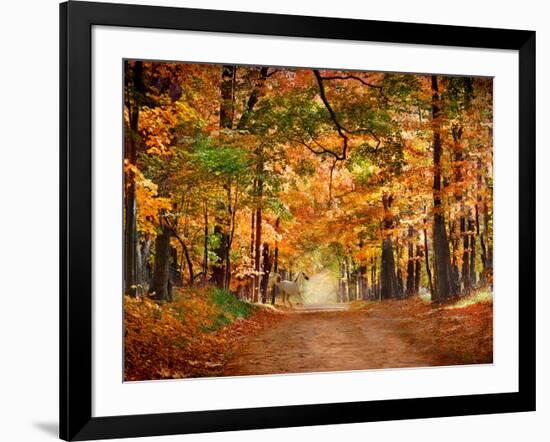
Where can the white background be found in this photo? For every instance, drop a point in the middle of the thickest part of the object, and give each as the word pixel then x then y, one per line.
pixel 29 221
pixel 112 397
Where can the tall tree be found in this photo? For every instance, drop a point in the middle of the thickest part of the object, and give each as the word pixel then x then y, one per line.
pixel 160 287
pixel 418 269
pixel 410 263
pixel 267 264
pixel 388 277
pixel 258 232
pixel 221 228
pixel 135 91
pixel 276 261
pixel 444 287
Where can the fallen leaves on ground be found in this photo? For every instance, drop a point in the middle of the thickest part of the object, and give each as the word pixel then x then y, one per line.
pixel 461 333
pixel 189 337
pixel 198 333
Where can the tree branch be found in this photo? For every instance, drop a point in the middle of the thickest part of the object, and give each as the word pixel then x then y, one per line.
pixel 253 98
pixel 323 150
pixel 185 250
pixel 339 127
pixel 330 182
pixel 352 77
pixel 355 77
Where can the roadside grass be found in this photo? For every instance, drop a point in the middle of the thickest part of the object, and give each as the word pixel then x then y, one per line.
pixel 229 309
pixel 475 298
pixel 482 295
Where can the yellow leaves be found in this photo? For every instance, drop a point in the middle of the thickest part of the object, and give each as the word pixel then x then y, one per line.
pixel 184 112
pixel 155 126
pixel 149 205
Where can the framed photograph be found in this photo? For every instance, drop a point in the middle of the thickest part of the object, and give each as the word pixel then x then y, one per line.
pixel 272 220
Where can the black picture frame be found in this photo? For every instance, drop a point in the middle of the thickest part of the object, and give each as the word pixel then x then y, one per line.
pixel 76 21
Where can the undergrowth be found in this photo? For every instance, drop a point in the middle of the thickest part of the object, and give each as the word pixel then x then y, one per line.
pixel 229 309
pixel 188 337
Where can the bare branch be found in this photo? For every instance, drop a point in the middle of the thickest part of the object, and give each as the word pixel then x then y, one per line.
pixel 339 128
pixel 253 98
pixel 274 71
pixel 352 77
pixel 323 150
pixel 330 181
pixel 361 80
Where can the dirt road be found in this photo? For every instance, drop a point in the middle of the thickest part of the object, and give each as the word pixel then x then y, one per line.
pixel 328 338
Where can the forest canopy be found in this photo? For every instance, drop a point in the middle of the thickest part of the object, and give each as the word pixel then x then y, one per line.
pixel 233 173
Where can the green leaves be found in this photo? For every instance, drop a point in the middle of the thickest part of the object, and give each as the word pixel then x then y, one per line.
pixel 221 160
pixel 294 115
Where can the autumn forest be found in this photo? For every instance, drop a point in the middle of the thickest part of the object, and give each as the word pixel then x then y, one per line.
pixel 281 220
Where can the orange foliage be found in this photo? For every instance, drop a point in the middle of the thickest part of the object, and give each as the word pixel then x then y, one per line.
pixel 458 335
pixel 173 340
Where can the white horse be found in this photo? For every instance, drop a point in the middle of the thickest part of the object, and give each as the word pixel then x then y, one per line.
pixel 289 288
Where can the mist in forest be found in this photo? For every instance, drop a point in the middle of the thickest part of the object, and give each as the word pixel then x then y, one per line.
pixel 322 288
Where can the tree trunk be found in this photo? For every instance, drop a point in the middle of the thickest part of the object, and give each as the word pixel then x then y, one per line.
pixel 258 234
pixel 363 285
pixel 480 234
pixel 218 272
pixel 266 269
pixel 443 273
pixel 143 274
pixel 205 251
pixel 367 289
pixel 339 291
pixel 349 278
pixel 160 284
pixel 130 155
pixel 428 270
pixel 275 262
pixel 464 278
pixel 471 231
pixel 252 242
pixel 410 263
pixel 388 278
pixel 232 211
pixel 253 99
pixel 341 281
pixel 227 106
pixel 374 283
pixel 417 269
pixel 379 283
pixel 465 255
pixel 488 246
pixel 176 276
pixel 221 227
pixel 344 280
pixel 398 273
pixel 483 259
pixel 257 253
pixel 189 264
pixel 454 243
